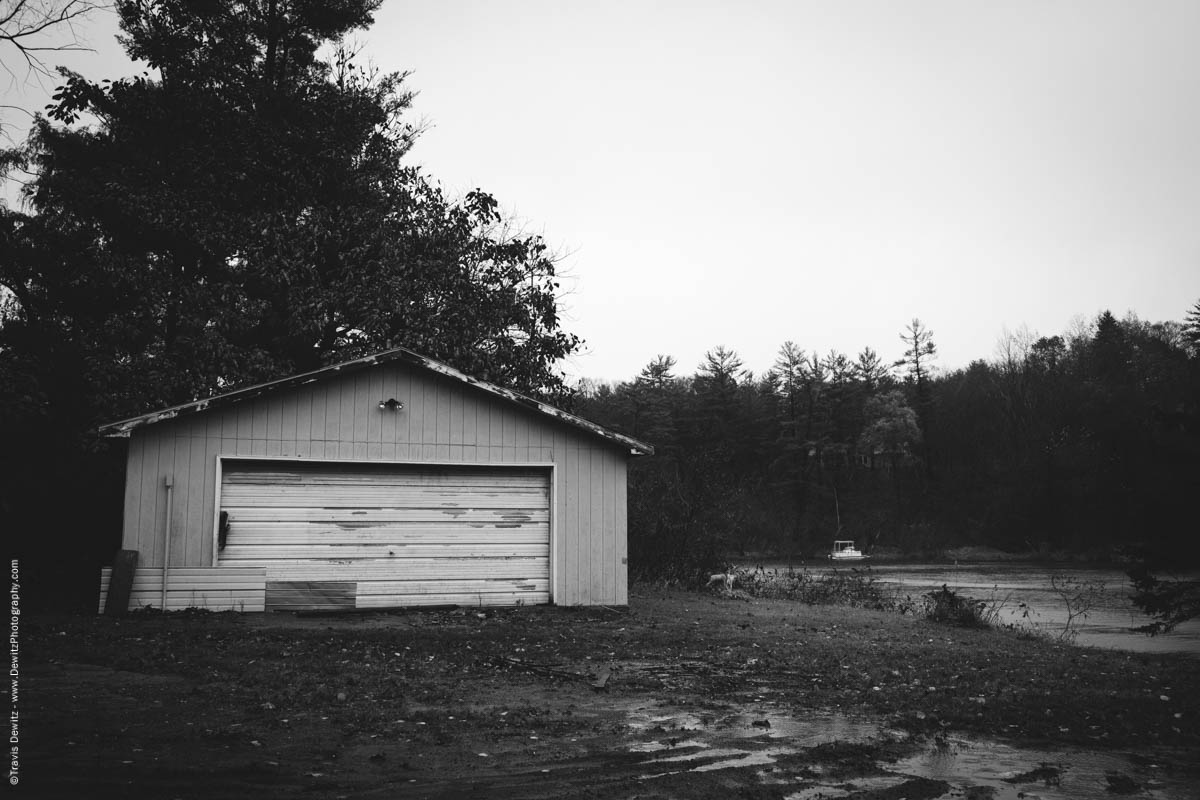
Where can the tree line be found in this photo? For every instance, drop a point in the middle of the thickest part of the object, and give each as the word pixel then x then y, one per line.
pixel 1085 443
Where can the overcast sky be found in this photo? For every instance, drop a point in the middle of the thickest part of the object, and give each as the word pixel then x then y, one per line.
pixel 746 173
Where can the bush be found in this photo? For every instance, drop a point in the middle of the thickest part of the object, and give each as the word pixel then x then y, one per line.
pixel 949 607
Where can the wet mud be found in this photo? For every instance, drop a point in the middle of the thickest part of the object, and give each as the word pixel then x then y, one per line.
pixel 680 696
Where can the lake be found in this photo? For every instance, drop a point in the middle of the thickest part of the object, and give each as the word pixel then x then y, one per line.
pixel 1006 586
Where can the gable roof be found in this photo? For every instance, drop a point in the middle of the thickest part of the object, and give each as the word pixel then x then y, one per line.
pixel 124 427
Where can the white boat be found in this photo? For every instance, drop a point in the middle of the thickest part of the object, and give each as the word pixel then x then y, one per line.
pixel 844 550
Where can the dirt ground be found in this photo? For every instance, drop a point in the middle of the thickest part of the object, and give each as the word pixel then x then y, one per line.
pixel 681 695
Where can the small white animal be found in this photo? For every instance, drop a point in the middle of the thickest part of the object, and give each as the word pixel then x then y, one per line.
pixel 725 578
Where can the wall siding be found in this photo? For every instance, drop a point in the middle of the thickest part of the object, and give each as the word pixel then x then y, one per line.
pixel 443 421
pixel 235 589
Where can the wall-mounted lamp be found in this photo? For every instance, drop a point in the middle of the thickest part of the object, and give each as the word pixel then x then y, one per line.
pixel 391 404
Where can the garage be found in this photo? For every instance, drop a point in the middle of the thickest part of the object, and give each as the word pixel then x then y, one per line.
pixel 389 481
pixel 363 535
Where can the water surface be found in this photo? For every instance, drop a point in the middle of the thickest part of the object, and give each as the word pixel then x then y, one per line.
pixel 1040 596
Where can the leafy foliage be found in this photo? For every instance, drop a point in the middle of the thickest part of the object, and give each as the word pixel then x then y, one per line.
pixel 1168 600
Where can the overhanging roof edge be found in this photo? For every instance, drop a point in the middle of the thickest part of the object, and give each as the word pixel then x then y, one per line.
pixel 123 428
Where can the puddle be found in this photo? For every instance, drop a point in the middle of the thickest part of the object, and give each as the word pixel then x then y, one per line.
pixel 770 724
pixel 654 747
pixel 706 742
pixel 676 742
pixel 641 720
pixel 808 732
pixel 1013 773
pixel 849 788
pixel 710 760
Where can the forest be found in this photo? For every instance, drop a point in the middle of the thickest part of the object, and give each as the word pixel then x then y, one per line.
pixel 1084 445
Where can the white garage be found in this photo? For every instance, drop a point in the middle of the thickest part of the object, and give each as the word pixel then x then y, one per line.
pixel 392 480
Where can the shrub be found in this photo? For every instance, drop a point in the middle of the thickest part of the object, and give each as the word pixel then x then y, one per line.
pixel 946 605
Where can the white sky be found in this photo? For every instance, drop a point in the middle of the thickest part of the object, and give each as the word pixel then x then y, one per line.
pixel 745 173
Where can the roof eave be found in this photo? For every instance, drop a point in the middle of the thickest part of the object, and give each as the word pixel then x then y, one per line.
pixel 124 428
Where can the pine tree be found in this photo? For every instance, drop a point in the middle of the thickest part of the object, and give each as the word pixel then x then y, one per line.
pixel 1191 328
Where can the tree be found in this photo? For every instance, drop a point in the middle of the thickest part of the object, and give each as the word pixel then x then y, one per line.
pixel 870 370
pixel 1048 354
pixel 840 372
pixel 720 370
pixel 892 430
pixel 644 405
pixel 1168 600
pixel 653 390
pixel 246 216
pixel 1191 329
pixel 789 374
pixel 921 351
pixel 657 374
pixel 1111 352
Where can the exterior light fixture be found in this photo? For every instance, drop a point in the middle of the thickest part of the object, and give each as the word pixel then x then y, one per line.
pixel 391 404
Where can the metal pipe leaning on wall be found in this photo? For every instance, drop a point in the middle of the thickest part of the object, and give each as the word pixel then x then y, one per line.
pixel 168 482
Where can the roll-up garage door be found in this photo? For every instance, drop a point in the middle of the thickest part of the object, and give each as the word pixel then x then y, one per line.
pixel 367 536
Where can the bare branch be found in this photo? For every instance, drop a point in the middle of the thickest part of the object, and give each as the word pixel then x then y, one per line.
pixel 33 27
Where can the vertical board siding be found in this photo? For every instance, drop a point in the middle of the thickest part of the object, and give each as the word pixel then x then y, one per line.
pixel 193 498
pixel 601 568
pixel 572 549
pixel 620 522
pixel 442 421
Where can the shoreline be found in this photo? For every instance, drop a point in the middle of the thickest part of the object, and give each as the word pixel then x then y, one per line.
pixel 958 555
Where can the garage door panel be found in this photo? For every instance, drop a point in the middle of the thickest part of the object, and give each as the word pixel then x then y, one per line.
pixel 458 586
pixel 298 534
pixel 392 534
pixel 351 516
pixel 418 569
pixel 379 498
pixel 476 599
pixel 379 552
pixel 326 473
